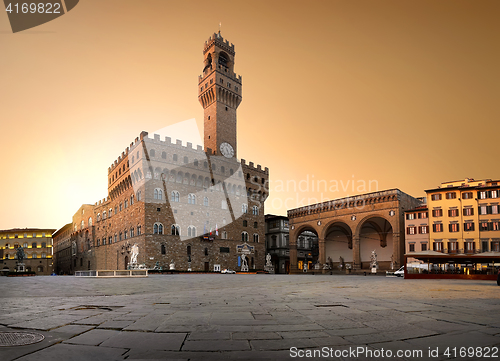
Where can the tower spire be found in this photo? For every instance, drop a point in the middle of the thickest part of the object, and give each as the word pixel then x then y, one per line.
pixel 220 95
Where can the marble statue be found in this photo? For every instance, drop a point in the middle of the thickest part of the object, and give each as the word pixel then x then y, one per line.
pixel 135 253
pixel 244 264
pixel 373 260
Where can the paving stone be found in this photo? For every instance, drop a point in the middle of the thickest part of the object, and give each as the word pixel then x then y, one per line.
pixel 209 336
pixel 256 336
pixel 92 337
pixel 146 340
pixel 303 334
pixel 46 323
pixel 72 330
pixel 209 345
pixel 115 325
pixel 284 344
pixel 75 353
pixel 379 313
pixel 466 339
pixel 351 331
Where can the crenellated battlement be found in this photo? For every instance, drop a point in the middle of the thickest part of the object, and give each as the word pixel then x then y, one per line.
pixel 102 201
pixel 251 166
pixel 217 38
pixel 233 75
pixel 167 142
pixel 125 153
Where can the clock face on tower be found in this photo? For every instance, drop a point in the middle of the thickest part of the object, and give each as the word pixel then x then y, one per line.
pixel 227 150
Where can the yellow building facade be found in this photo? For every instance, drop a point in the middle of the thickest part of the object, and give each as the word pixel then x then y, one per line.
pixel 37 244
pixel 464 217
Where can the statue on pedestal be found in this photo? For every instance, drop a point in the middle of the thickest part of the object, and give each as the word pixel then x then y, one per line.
pixel 20 258
pixel 133 257
pixel 244 264
pixel 269 266
pixel 373 262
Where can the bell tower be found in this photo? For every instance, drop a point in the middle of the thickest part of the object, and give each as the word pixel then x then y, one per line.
pixel 219 94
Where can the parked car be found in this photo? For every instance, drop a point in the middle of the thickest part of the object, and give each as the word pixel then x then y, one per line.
pixel 400 272
pixel 226 270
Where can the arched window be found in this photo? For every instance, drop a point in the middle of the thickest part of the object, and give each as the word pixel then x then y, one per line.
pixel 255 210
pixel 195 162
pixel 158 228
pixel 188 250
pixel 126 203
pixel 164 155
pixel 98 217
pixel 175 197
pixel 176 230
pixel 223 235
pixel 191 198
pixel 244 236
pixel 138 196
pixel 163 250
pixel 120 236
pixel 83 225
pixel 138 230
pixel 191 231
pixel 205 201
pixel 255 225
pixel 256 238
pixel 186 160
pixel 131 200
pixel 131 232
pixel 90 222
pixel 125 234
pixel 116 238
pixel 245 223
pixel 158 194
pixel 44 245
pixel 152 152
pixel 174 157
pixel 33 245
pixel 33 255
pixel 244 208
pixel 206 251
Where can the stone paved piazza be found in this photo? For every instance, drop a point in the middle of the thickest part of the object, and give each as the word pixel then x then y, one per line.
pixel 246 317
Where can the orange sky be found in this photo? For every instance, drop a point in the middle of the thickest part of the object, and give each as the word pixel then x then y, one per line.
pixel 404 93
